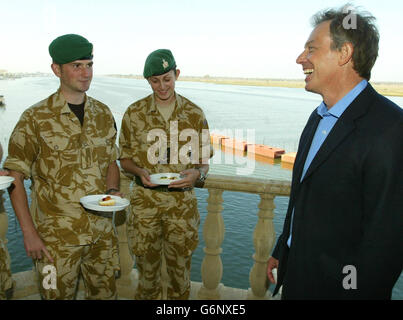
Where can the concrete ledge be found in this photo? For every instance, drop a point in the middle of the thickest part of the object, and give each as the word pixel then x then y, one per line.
pixel 27 288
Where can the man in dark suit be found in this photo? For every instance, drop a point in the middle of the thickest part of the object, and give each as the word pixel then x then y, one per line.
pixel 342 236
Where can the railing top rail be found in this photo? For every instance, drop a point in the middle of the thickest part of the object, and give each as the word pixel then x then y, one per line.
pixel 248 184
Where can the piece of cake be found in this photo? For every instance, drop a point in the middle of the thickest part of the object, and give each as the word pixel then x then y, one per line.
pixel 107 201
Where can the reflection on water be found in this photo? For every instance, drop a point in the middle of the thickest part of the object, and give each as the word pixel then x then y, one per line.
pixel 277 116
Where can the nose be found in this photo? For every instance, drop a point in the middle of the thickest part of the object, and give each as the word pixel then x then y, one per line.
pixel 301 58
pixel 86 71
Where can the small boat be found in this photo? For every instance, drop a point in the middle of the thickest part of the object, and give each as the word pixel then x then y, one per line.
pixel 1 100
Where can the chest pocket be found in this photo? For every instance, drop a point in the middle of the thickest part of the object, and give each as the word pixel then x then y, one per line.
pixel 101 150
pixel 58 158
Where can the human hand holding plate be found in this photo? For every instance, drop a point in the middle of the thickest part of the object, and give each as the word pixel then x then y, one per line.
pixel 189 178
pixel 146 179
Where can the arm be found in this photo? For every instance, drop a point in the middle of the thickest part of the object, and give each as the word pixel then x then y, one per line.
pixel 22 151
pixel 33 244
pixel 2 172
pixel 191 177
pixel 129 166
pixel 128 143
pixel 113 179
pixel 205 152
pixel 379 253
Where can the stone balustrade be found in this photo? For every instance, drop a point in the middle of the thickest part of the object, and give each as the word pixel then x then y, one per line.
pixel 213 236
pixel 263 236
pixel 214 229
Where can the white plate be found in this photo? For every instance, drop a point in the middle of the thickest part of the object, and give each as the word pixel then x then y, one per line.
pixel 164 178
pixel 5 182
pixel 92 203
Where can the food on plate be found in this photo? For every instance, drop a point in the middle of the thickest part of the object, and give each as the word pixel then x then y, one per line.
pixel 170 178
pixel 107 201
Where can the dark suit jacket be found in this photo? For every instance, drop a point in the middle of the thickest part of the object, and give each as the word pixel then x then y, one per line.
pixel 348 208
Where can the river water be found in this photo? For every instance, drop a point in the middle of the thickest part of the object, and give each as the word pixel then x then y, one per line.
pixel 268 115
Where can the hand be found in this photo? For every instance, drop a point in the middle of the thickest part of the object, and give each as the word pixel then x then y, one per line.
pixel 271 264
pixel 189 180
pixel 116 193
pixel 4 172
pixel 145 179
pixel 34 246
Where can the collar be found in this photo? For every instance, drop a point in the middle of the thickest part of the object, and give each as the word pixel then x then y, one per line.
pixel 153 106
pixel 60 105
pixel 338 109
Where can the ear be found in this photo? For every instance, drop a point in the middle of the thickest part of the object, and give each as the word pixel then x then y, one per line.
pixel 177 74
pixel 57 70
pixel 346 53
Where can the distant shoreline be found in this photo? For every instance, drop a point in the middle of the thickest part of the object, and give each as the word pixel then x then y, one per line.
pixel 384 88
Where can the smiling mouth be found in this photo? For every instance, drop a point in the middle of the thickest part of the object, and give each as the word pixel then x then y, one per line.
pixel 308 71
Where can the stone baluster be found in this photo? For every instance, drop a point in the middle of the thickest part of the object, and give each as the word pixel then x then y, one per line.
pixel 213 235
pixel 263 240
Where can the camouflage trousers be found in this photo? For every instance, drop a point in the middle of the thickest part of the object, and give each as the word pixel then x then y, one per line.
pixel 163 223
pixel 6 282
pixel 95 262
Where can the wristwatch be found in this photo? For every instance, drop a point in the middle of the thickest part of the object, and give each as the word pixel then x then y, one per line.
pixel 111 190
pixel 203 176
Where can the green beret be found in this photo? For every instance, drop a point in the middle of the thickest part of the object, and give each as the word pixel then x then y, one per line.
pixel 159 62
pixel 70 47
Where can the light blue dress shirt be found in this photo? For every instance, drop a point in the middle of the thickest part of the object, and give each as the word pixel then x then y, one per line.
pixel 329 119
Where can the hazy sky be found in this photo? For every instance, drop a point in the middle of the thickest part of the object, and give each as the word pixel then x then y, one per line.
pixel 248 38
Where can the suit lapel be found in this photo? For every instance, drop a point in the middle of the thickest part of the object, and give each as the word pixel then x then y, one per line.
pixel 305 143
pixel 343 127
pixel 336 136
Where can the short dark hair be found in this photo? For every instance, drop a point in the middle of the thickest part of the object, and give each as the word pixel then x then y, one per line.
pixel 364 35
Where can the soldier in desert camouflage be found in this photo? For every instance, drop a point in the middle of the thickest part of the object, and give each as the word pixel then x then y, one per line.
pixel 6 282
pixel 164 220
pixel 66 145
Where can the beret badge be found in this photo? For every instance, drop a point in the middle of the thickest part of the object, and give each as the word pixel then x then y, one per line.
pixel 165 64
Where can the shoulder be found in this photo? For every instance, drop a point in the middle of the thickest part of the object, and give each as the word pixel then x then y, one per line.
pixel 380 126
pixel 39 110
pixel 383 112
pixel 100 106
pixel 139 107
pixel 190 107
pixel 387 107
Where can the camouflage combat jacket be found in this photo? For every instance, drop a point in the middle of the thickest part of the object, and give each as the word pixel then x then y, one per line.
pixel 65 162
pixel 164 146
